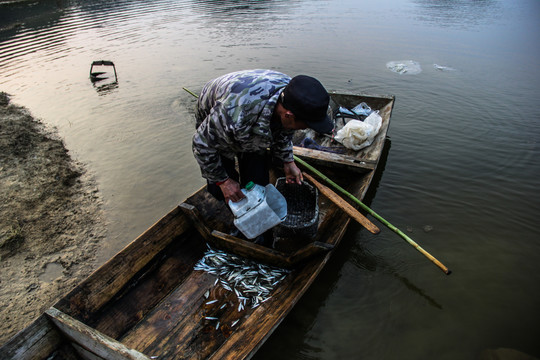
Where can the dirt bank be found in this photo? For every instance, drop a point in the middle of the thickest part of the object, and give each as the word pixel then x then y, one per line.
pixel 51 222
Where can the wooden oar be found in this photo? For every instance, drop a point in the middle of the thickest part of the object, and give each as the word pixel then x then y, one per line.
pixel 343 205
pixel 374 214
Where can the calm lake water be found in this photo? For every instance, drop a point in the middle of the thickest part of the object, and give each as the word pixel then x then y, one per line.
pixel 461 174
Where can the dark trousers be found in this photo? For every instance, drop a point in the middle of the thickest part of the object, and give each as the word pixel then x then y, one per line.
pixel 253 167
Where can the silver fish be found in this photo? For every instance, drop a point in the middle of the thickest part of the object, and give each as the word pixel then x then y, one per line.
pixel 251 282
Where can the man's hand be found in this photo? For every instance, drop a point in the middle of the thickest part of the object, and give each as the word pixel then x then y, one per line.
pixel 292 173
pixel 231 191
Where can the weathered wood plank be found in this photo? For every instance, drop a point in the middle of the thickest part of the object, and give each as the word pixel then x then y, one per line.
pixel 158 333
pixel 87 298
pixel 35 342
pixel 310 250
pixel 345 161
pixel 344 205
pixel 144 292
pixel 198 339
pixel 187 325
pixel 84 354
pixel 91 339
pixel 249 250
pixel 216 214
pixel 195 217
pixel 267 255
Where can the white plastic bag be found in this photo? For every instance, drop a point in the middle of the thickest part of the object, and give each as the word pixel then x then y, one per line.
pixel 358 134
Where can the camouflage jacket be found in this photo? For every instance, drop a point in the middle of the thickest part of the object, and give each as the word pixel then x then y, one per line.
pixel 234 115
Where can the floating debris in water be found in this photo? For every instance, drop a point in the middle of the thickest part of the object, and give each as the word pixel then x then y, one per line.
pixel 409 67
pixel 250 281
pixel 443 68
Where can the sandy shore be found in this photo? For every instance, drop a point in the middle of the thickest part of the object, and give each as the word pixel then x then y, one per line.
pixel 51 220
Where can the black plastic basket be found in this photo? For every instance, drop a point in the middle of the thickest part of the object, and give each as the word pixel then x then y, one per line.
pixel 302 211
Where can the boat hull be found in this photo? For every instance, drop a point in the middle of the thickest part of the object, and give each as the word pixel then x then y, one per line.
pixel 148 301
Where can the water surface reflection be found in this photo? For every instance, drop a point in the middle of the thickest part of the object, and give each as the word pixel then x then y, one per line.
pixel 457 13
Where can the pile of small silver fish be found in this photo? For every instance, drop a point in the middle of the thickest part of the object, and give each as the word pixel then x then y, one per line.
pixel 250 281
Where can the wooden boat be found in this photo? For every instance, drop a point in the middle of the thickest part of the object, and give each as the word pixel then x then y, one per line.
pixel 148 302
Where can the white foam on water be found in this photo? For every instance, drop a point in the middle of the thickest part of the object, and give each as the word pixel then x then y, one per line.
pixel 408 67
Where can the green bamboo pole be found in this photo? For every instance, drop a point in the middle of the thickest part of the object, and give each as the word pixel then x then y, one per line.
pixel 374 214
pixel 191 92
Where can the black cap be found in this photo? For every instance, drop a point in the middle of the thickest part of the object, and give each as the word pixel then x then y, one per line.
pixel 308 100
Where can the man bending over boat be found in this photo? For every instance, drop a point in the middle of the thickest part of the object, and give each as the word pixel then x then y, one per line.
pixel 242 114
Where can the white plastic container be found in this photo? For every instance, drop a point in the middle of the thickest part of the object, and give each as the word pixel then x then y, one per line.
pixel 263 208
